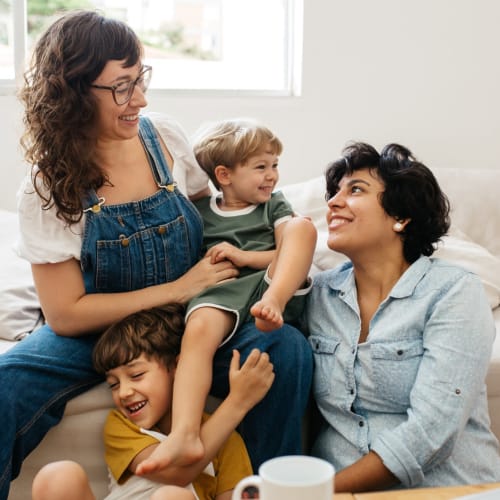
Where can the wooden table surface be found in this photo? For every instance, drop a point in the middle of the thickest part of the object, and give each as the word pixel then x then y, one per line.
pixel 445 493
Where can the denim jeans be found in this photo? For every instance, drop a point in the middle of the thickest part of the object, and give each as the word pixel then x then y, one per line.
pixel 44 371
pixel 274 426
pixel 39 375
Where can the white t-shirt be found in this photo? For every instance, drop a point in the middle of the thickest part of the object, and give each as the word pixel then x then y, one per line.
pixel 46 239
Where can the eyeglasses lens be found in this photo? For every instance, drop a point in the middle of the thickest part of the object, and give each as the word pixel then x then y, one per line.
pixel 123 91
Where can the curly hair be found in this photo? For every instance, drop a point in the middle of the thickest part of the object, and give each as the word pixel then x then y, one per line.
pixel 232 142
pixel 154 332
pixel 410 192
pixel 59 109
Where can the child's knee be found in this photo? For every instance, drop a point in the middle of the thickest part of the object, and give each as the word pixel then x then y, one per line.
pixel 303 226
pixel 55 480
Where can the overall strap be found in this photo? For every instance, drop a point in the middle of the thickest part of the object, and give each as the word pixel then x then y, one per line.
pixel 91 202
pixel 157 160
pixel 149 138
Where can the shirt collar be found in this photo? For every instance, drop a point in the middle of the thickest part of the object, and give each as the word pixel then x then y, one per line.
pixel 405 287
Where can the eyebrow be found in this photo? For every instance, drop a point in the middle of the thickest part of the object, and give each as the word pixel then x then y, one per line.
pixel 355 181
pixel 128 78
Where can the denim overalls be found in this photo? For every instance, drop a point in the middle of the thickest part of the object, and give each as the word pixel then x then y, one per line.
pixel 143 243
pixel 125 247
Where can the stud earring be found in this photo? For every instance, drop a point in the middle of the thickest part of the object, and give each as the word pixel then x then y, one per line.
pixel 398 227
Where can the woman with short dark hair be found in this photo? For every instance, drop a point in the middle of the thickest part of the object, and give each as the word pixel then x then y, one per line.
pixel 401 342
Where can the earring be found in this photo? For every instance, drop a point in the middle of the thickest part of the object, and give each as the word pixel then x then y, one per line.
pixel 398 227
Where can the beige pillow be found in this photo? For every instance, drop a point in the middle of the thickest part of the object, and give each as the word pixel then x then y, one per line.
pixel 20 311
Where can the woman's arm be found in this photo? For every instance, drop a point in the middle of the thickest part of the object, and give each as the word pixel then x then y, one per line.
pixel 367 474
pixel 70 311
pixel 457 343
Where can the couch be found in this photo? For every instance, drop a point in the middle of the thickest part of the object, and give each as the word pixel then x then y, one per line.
pixel 473 242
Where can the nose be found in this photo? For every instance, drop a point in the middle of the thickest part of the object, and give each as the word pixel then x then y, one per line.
pixel 125 390
pixel 138 97
pixel 336 200
pixel 272 174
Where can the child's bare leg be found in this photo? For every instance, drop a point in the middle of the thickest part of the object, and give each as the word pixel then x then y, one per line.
pixel 288 271
pixel 172 493
pixel 60 481
pixel 205 329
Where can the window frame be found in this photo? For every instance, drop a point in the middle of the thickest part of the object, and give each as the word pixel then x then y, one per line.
pixel 292 58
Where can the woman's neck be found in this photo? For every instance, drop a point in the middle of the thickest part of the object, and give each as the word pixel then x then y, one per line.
pixel 374 281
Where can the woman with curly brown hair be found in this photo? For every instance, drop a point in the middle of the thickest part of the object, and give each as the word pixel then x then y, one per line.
pixel 109 232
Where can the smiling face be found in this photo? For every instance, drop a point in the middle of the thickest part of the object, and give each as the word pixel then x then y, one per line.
pixel 142 392
pixel 252 182
pixel 116 122
pixel 357 223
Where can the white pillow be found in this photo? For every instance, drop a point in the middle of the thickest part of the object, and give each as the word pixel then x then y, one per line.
pixel 461 250
pixel 20 311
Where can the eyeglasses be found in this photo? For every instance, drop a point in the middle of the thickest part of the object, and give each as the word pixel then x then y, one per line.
pixel 122 92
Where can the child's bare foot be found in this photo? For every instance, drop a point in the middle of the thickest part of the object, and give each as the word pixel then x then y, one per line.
pixel 178 449
pixel 268 314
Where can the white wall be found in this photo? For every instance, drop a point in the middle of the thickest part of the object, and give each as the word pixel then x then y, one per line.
pixel 423 73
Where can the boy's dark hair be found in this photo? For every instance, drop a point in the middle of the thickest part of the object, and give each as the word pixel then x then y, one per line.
pixel 410 192
pixel 155 332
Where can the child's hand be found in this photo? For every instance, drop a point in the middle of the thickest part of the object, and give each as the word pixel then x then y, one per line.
pixel 226 251
pixel 250 383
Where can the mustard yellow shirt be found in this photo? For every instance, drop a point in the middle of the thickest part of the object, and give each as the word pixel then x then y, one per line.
pixel 123 440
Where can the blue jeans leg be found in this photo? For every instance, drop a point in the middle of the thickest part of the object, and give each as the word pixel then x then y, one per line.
pixel 274 426
pixel 39 375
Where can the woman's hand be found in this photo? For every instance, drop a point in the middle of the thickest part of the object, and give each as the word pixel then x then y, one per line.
pixel 204 274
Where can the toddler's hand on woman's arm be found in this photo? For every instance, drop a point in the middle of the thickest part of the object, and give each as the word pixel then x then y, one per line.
pixel 203 275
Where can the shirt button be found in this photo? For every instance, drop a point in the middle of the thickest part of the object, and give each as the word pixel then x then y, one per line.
pixel 351 391
pixel 361 424
pixel 124 240
pixel 458 392
pixel 399 352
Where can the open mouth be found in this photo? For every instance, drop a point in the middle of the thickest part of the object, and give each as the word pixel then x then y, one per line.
pixel 336 222
pixel 134 408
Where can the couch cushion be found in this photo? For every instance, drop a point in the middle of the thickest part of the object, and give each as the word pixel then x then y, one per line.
pixel 20 310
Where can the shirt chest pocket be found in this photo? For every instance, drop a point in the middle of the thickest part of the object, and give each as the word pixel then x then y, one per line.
pixel 395 366
pixel 324 351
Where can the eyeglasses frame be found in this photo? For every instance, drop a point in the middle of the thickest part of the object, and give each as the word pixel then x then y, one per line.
pixel 132 84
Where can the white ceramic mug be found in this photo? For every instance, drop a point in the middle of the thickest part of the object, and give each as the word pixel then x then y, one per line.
pixel 293 477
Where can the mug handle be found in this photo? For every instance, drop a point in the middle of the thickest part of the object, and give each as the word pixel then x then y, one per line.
pixel 246 481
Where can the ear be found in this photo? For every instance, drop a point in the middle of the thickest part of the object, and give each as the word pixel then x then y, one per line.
pixel 223 175
pixel 400 225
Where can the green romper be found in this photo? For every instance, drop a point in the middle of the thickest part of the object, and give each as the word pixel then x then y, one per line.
pixel 251 228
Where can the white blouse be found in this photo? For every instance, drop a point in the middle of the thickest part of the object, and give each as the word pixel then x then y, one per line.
pixel 46 239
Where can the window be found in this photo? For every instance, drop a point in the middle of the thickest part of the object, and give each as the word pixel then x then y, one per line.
pixel 242 46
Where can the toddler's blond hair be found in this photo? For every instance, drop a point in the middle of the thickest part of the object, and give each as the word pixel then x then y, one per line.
pixel 232 142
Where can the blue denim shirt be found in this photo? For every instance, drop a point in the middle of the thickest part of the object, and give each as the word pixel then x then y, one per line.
pixel 414 392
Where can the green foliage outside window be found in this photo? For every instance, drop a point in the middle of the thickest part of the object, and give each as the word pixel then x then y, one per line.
pixel 42 12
